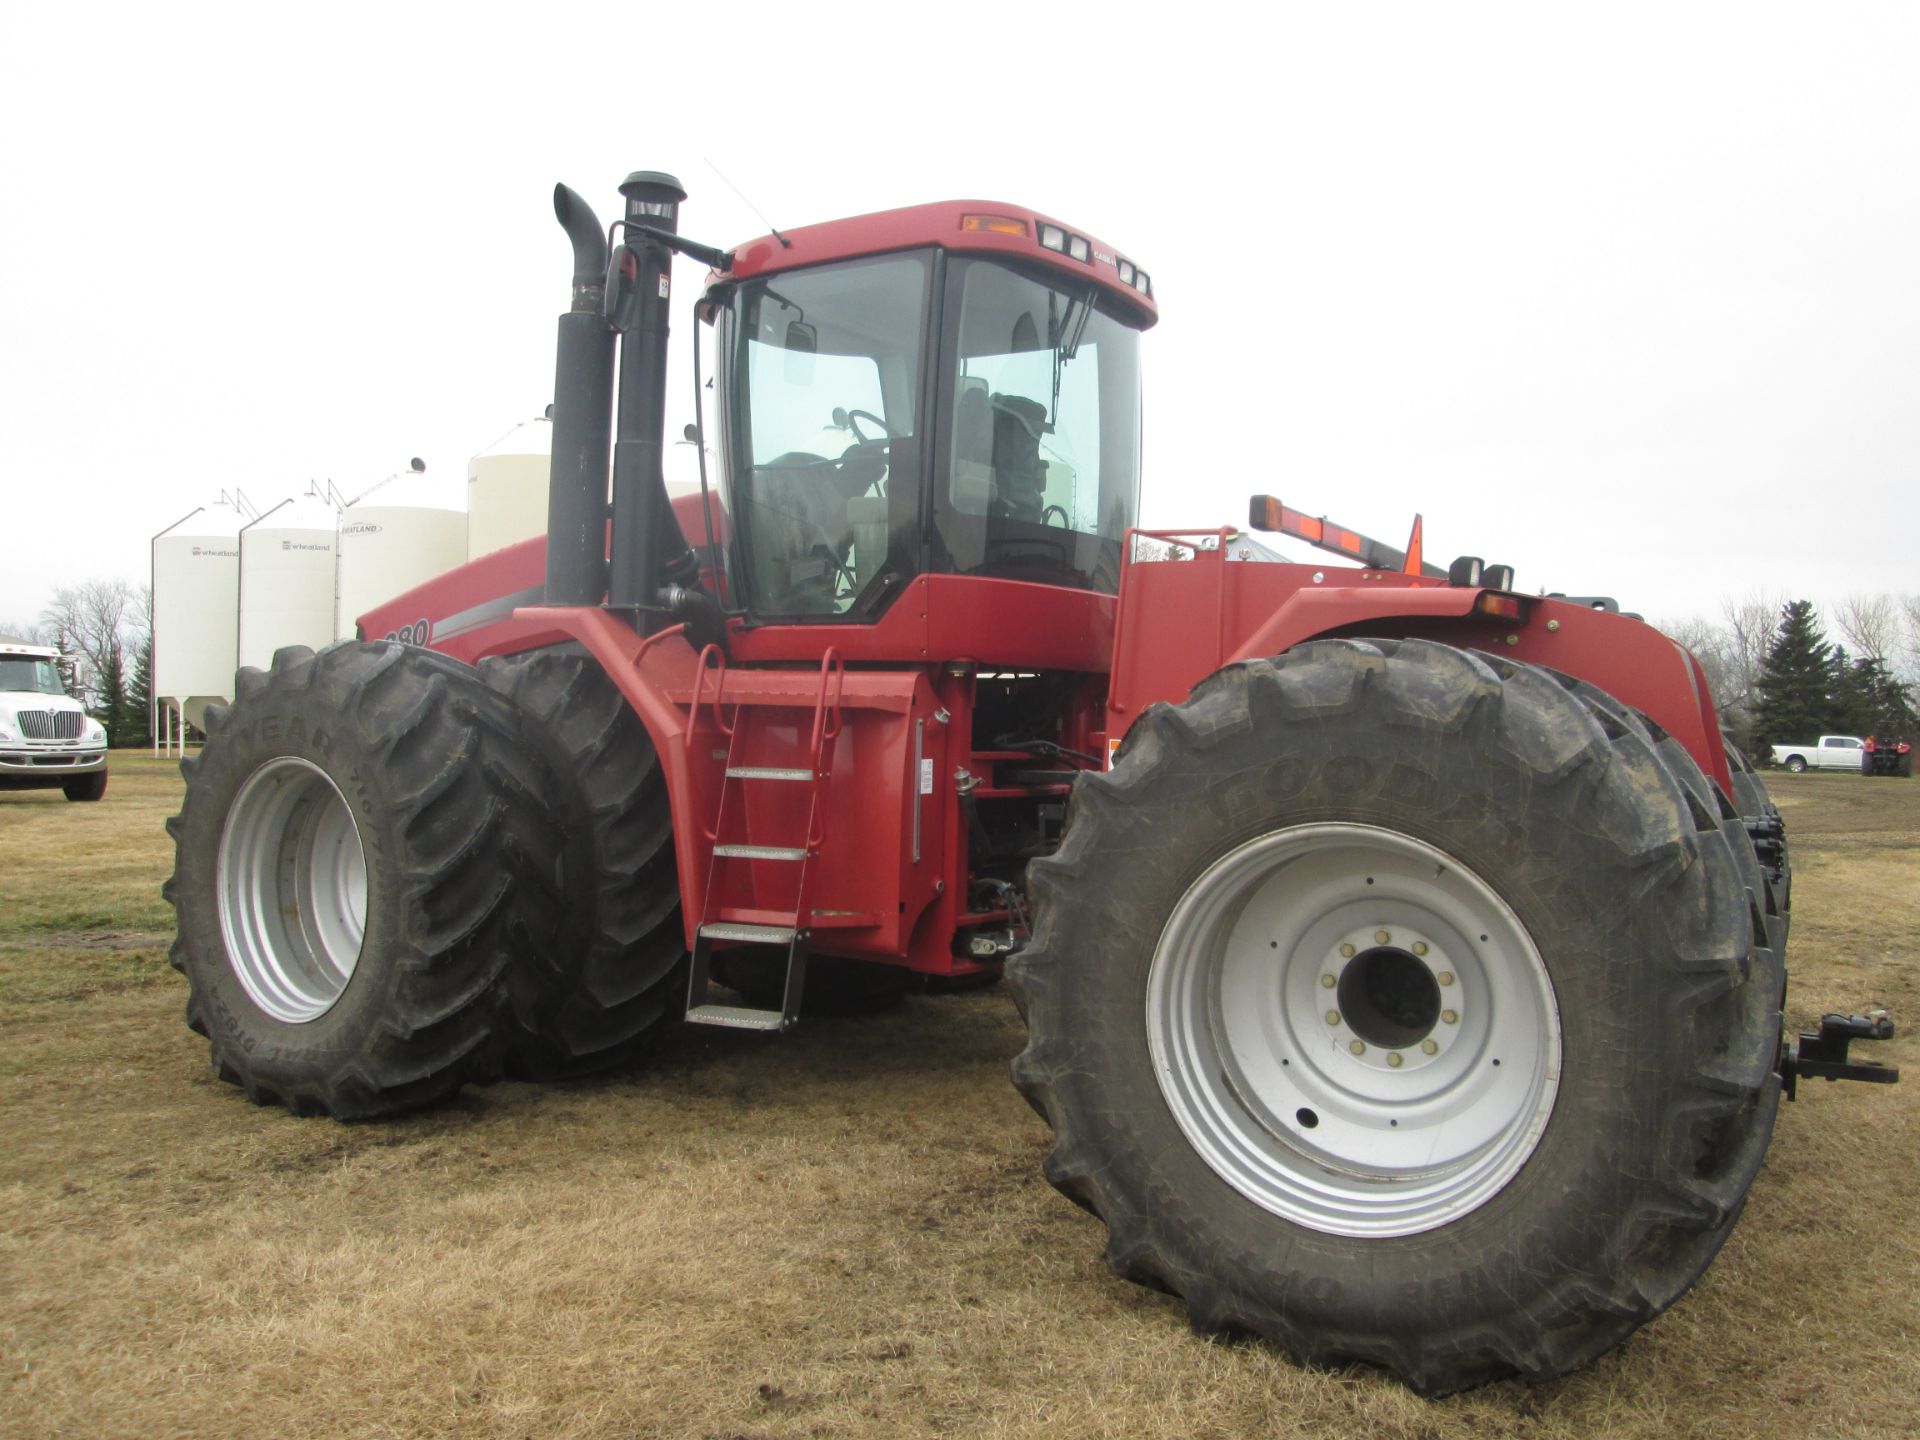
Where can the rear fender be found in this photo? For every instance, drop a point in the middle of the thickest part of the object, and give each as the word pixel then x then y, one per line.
pixel 1179 621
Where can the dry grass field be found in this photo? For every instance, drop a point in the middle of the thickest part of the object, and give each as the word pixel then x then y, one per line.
pixel 842 1232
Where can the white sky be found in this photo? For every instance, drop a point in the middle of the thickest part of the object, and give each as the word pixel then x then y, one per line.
pixel 1626 297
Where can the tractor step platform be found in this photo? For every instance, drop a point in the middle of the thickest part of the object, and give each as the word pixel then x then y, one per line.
pixel 741 930
pixel 736 1017
pixel 762 852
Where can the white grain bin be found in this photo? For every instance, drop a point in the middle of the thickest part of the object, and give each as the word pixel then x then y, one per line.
pixel 507 488
pixel 286 579
pixel 397 535
pixel 196 603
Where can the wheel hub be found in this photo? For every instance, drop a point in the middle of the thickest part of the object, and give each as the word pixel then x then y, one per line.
pixel 292 889
pixel 1353 1030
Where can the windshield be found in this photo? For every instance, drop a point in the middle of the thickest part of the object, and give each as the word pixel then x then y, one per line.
pixel 32 674
pixel 826 366
pixel 1044 455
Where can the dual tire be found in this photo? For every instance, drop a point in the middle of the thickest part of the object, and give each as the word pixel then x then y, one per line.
pixel 394 877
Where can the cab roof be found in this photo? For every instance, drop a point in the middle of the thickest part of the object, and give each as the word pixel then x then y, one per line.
pixel 971 226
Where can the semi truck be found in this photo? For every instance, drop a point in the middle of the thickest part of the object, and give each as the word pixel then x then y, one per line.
pixel 47 739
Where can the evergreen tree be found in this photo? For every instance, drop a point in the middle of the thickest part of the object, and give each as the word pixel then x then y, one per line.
pixel 1872 701
pixel 140 694
pixel 1796 682
pixel 110 688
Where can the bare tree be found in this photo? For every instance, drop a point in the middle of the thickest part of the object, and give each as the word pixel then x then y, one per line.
pixel 1751 621
pixel 1911 605
pixel 1873 625
pixel 89 621
pixel 31 632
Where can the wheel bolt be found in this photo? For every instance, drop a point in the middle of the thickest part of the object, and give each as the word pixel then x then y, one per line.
pixel 1430 1047
pixel 1358 1047
pixel 1382 937
pixel 1445 977
pixel 1394 1059
pixel 1450 1017
pixel 1419 947
pixel 1328 981
pixel 1346 950
pixel 1333 1017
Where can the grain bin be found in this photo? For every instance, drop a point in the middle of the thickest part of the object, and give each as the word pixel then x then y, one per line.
pixel 507 488
pixel 286 579
pixel 397 535
pixel 196 605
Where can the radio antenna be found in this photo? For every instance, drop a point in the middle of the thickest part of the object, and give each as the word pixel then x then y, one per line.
pixel 785 244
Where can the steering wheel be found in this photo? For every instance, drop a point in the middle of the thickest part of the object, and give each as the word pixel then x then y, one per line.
pixel 854 416
pixel 1065 522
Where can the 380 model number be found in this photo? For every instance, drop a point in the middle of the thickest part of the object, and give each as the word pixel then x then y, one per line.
pixel 415 634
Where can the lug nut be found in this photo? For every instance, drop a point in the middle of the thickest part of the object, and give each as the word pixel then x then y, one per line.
pixel 1328 981
pixel 1394 1059
pixel 1358 1047
pixel 1445 977
pixel 1450 1017
pixel 1430 1047
pixel 1333 1017
pixel 1419 947
pixel 1346 950
pixel 1382 937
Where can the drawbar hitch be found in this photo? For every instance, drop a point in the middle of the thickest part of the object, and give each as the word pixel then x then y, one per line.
pixel 1824 1055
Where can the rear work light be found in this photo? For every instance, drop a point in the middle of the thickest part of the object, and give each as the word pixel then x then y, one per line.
pixel 994 224
pixel 1052 237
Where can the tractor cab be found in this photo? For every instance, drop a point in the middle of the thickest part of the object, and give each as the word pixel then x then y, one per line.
pixel 950 389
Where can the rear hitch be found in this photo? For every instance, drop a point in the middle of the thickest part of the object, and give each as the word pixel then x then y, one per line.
pixel 1824 1055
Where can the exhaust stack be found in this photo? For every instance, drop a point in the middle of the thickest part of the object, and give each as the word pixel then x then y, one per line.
pixel 582 403
pixel 648 548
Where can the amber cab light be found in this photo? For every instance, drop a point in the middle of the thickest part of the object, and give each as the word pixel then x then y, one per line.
pixel 994 224
pixel 1507 607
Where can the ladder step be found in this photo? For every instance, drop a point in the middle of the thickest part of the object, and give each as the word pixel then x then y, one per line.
pixel 740 930
pixel 767 772
pixel 736 1017
pixel 762 852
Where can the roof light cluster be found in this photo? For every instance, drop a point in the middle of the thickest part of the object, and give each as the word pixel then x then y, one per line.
pixel 1062 242
pixel 1130 274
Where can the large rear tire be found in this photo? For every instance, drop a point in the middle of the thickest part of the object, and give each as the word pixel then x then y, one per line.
pixel 622 981
pixel 1493 1142
pixel 363 851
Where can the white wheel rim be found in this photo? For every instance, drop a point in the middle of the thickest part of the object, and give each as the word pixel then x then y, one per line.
pixel 292 887
pixel 1384 1088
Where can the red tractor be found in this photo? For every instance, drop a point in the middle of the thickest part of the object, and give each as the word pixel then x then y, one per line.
pixel 1402 956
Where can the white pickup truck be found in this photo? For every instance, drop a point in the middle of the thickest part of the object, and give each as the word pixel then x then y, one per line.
pixel 47 741
pixel 1831 752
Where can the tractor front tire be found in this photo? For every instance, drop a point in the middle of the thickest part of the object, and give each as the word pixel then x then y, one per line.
pixel 1399 1004
pixel 364 851
pixel 622 981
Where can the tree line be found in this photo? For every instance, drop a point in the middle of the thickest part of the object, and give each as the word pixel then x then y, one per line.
pixel 1778 679
pixel 105 629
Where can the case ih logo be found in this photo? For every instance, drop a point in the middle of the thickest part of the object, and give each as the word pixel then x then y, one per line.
pixel 302 545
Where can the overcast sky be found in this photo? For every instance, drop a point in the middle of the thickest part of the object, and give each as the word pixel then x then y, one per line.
pixel 1626 297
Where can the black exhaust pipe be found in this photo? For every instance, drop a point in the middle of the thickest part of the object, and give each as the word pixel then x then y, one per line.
pixel 648 548
pixel 582 402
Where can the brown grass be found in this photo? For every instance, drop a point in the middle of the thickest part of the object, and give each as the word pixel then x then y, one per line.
pixel 843 1232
